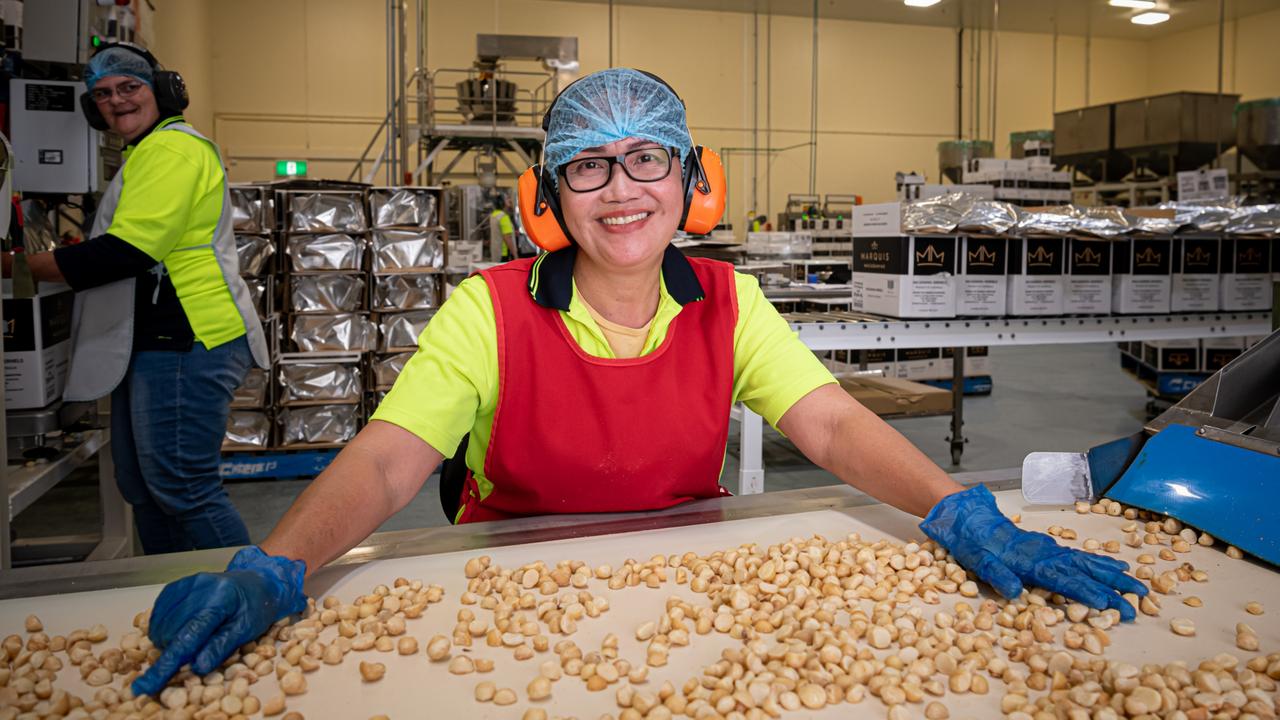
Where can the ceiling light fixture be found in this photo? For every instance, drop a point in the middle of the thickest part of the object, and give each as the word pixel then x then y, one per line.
pixel 920 3
pixel 1149 18
pixel 1135 4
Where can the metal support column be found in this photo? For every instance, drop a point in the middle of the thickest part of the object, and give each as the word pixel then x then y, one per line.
pixel 751 454
pixel 957 411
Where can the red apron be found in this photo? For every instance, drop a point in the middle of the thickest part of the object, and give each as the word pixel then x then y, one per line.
pixel 574 433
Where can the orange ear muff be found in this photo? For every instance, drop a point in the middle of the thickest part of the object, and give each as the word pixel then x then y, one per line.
pixel 540 210
pixel 705 191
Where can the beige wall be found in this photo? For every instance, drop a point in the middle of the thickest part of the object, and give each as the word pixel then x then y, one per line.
pixel 181 39
pixel 1189 60
pixel 306 79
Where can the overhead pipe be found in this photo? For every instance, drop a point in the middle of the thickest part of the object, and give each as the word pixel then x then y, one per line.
pixel 995 64
pixel 813 108
pixel 960 82
pixel 402 151
pixel 1217 112
pixel 768 114
pixel 755 109
pixel 1053 70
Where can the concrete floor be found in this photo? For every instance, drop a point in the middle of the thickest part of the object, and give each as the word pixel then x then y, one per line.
pixel 1045 398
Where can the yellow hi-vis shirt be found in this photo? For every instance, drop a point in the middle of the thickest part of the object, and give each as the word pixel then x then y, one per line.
pixel 450 386
pixel 170 204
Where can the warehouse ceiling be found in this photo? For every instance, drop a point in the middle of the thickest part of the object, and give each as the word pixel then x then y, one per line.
pixel 1072 17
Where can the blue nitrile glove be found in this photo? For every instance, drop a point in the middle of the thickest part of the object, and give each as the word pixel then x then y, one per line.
pixel 201 619
pixel 985 542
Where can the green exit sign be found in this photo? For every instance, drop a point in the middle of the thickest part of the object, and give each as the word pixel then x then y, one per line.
pixel 291 168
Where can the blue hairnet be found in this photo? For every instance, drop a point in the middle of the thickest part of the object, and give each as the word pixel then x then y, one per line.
pixel 613 105
pixel 117 61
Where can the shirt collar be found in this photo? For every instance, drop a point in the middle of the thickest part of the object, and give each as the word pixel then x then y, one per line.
pixel 551 279
pixel 163 121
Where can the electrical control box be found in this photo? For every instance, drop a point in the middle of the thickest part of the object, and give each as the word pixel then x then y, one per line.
pixel 55 150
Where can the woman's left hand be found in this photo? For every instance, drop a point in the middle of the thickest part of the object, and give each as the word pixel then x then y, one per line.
pixel 985 542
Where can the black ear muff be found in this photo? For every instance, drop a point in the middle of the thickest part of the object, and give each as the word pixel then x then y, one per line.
pixel 171 90
pixel 92 113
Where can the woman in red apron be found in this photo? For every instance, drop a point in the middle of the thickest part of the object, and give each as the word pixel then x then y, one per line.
pixel 599 378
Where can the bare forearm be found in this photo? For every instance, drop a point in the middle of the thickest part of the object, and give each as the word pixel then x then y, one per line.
pixel 841 436
pixel 374 476
pixel 347 502
pixel 879 461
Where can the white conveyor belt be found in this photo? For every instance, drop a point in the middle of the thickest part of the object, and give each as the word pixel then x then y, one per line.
pixel 415 688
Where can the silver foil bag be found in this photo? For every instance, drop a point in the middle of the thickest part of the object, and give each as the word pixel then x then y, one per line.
pixel 1105 221
pixel 246 209
pixel 325 293
pixel 405 292
pixel 1203 216
pixel 333 382
pixel 253 391
pixel 326 252
pixel 258 295
pixel 402 207
pixel 1143 224
pixel 327 212
pixel 401 330
pixel 248 428
pixel 319 424
pixel 254 251
pixel 936 215
pixel 345 332
pixel 1050 220
pixel 387 369
pixel 988 216
pixel 406 250
pixel 1255 220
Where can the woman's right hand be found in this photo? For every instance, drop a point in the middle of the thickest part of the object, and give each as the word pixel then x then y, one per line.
pixel 201 619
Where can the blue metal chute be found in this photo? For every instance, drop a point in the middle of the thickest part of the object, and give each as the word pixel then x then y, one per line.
pixel 1212 460
pixel 1224 490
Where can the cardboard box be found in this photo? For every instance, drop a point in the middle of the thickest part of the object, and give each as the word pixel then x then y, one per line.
pixel 878 220
pixel 462 253
pixel 1172 355
pixel 37 345
pixel 1035 283
pixel 981 285
pixel 882 360
pixel 1141 275
pixel 1246 273
pixel 921 364
pixel 977 361
pixel 905 276
pixel 1087 287
pixel 891 396
pixel 1196 280
pixel 1215 353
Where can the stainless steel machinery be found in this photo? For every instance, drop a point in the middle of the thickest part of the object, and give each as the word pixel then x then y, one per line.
pixel 1258 141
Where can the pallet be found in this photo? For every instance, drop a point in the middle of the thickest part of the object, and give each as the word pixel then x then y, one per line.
pixel 303 463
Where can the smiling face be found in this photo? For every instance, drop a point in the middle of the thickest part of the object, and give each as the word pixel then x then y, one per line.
pixel 131 107
pixel 625 225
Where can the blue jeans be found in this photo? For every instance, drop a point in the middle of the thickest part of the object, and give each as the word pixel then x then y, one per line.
pixel 168 418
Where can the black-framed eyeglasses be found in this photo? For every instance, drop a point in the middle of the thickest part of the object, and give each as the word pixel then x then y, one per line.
pixel 125 90
pixel 592 173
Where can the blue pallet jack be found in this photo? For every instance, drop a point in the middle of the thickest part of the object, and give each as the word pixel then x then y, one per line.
pixel 1212 460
